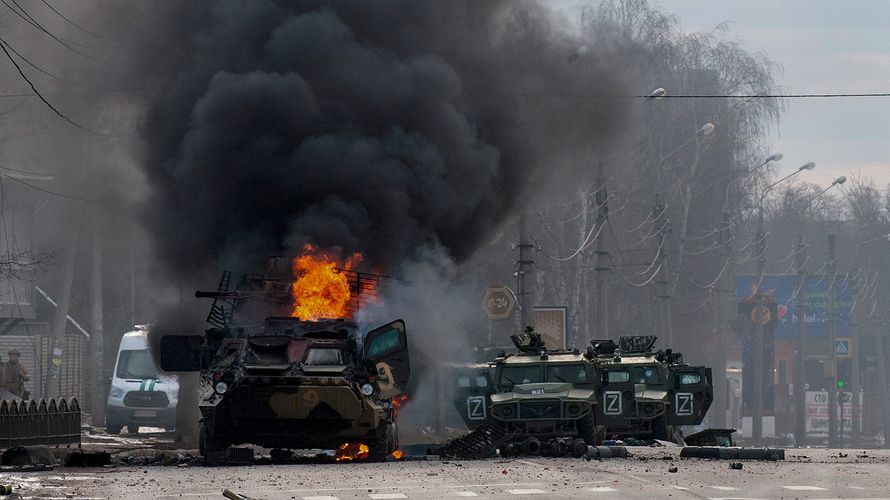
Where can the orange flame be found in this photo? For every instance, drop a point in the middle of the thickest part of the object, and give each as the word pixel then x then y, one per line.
pixel 348 452
pixel 397 455
pixel 319 289
pixel 397 403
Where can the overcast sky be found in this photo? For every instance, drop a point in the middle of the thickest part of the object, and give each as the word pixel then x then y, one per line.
pixel 824 47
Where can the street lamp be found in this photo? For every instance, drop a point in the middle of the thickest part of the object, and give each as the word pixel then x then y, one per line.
pixel 705 130
pixel 771 158
pixel 720 388
pixel 656 94
pixel 657 213
pixel 800 429
pixel 837 182
pixel 854 359
pixel 757 340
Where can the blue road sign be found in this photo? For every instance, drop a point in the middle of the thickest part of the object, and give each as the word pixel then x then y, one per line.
pixel 842 348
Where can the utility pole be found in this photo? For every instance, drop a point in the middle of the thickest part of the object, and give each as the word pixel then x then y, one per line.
pixel 832 333
pixel 57 341
pixel 855 429
pixel 757 338
pixel 96 339
pixel 878 328
pixel 602 255
pixel 525 265
pixel 663 295
pixel 722 321
pixel 800 372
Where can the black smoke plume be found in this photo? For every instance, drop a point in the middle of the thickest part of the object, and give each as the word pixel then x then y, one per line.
pixel 376 127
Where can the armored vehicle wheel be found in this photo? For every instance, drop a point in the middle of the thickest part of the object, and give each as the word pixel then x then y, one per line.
pixel 385 444
pixel 113 428
pixel 662 430
pixel 591 433
pixel 209 446
pixel 599 435
pixel 579 448
pixel 132 429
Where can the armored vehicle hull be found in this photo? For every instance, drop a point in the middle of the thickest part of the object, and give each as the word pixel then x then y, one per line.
pixel 536 401
pixel 649 394
pixel 287 383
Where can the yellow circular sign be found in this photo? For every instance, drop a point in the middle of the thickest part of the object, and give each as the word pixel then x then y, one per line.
pixel 765 314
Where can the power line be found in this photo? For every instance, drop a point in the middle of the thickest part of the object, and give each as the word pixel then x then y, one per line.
pixel 32 186
pixel 72 23
pixel 771 96
pixel 38 68
pixel 13 108
pixel 30 20
pixel 708 96
pixel 3 46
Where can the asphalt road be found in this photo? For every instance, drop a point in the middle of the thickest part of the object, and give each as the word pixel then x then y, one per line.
pixel 804 474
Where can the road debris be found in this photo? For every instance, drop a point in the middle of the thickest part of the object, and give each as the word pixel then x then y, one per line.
pixel 723 453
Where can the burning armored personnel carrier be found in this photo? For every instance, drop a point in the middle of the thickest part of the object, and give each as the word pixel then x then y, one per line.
pixel 285 382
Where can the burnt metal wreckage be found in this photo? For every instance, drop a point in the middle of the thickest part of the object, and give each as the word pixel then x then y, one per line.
pixel 557 402
pixel 287 383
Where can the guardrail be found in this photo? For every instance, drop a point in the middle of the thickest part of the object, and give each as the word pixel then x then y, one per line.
pixel 27 423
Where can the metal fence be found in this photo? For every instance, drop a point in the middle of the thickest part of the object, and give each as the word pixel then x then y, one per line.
pixel 26 423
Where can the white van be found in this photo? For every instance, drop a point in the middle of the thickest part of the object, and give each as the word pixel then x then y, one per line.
pixel 139 396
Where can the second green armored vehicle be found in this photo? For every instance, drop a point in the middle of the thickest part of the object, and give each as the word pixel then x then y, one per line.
pixel 648 394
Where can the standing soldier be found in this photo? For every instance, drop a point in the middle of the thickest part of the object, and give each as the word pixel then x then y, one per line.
pixel 16 374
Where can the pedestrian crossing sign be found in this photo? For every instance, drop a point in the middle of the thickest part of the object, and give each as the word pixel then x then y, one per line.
pixel 842 347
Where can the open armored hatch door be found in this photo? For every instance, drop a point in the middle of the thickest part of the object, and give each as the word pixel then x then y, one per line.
pixel 693 393
pixel 386 348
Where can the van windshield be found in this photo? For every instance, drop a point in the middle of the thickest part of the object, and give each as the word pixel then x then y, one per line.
pixel 136 364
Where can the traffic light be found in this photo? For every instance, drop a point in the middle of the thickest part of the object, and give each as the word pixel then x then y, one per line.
pixel 843 372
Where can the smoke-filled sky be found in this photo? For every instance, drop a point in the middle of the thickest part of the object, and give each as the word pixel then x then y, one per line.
pixel 373 126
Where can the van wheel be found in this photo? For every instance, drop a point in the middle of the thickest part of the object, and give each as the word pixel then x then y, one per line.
pixel 132 429
pixel 113 427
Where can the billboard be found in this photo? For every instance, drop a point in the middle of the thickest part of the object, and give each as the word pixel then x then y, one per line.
pixel 815 297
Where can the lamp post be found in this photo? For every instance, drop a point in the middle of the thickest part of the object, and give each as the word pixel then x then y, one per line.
pixel 658 209
pixel 878 328
pixel 721 317
pixel 758 316
pixel 767 161
pixel 832 329
pixel 800 424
